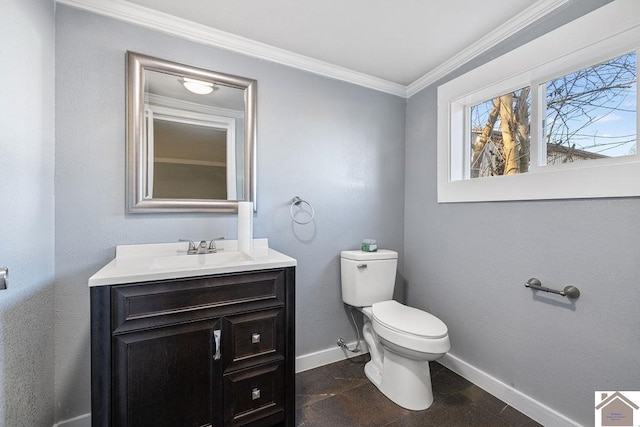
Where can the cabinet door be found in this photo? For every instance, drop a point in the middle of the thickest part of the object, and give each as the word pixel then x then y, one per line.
pixel 167 377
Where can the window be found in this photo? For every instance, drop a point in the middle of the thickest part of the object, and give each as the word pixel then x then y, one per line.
pixel 555 118
pixel 591 113
pixel 500 140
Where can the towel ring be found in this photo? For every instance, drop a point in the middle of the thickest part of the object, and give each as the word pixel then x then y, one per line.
pixel 296 201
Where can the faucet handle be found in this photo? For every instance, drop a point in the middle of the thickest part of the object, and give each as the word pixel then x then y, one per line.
pixel 212 244
pixel 192 246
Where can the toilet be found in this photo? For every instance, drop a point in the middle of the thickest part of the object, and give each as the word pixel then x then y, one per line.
pixel 401 339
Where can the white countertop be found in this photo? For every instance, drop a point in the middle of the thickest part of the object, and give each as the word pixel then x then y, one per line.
pixel 158 261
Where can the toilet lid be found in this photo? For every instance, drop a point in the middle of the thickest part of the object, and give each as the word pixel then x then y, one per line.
pixel 369 256
pixel 408 320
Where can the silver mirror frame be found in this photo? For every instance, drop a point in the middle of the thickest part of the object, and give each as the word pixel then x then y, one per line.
pixel 138 200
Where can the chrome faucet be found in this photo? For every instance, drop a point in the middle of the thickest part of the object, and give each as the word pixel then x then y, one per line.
pixel 203 247
pixel 212 245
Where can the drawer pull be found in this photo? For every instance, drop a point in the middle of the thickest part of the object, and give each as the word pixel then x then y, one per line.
pixel 255 393
pixel 216 338
pixel 255 338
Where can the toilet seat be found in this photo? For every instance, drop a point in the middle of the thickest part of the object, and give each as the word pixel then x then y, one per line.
pixel 409 328
pixel 408 320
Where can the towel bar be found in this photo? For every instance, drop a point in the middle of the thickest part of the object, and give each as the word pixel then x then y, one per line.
pixel 296 201
pixel 568 291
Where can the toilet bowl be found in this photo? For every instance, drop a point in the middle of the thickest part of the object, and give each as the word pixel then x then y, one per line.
pixel 401 339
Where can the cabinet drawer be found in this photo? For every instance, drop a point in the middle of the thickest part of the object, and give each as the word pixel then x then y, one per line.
pixel 252 336
pixel 255 396
pixel 140 306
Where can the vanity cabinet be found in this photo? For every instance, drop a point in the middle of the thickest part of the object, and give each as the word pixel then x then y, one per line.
pixel 212 350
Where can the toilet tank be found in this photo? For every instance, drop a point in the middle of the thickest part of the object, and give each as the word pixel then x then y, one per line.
pixel 367 277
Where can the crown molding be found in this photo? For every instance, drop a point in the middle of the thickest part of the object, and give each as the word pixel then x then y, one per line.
pixel 163 22
pixel 534 12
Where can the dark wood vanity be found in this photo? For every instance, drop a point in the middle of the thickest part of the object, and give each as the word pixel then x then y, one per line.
pixel 214 350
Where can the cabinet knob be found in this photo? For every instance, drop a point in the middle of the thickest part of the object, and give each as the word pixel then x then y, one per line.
pixel 255 338
pixel 255 393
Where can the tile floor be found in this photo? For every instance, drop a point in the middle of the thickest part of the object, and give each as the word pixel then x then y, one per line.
pixel 339 395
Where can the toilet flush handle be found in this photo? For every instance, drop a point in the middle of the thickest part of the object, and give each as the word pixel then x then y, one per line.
pixel 361 266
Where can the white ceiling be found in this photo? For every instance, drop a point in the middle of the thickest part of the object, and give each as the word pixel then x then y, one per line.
pixel 384 43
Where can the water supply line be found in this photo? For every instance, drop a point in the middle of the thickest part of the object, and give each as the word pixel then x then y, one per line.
pixel 341 342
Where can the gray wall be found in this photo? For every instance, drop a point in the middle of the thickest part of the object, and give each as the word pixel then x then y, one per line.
pixel 467 264
pixel 337 145
pixel 26 213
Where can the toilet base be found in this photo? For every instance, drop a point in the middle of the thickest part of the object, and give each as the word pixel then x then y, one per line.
pixel 404 381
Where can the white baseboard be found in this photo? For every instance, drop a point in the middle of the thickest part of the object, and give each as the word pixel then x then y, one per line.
pixel 327 356
pixel 515 398
pixel 518 400
pixel 81 421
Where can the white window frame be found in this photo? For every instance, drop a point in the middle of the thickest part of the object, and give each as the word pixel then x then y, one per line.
pixel 610 31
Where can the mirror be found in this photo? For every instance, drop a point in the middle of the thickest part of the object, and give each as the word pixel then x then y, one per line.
pixel 191 138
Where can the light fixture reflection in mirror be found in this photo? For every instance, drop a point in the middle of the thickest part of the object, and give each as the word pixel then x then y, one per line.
pixel 198 86
pixel 188 150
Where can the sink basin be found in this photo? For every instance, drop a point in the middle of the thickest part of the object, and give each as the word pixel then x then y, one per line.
pixel 147 263
pixel 199 261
